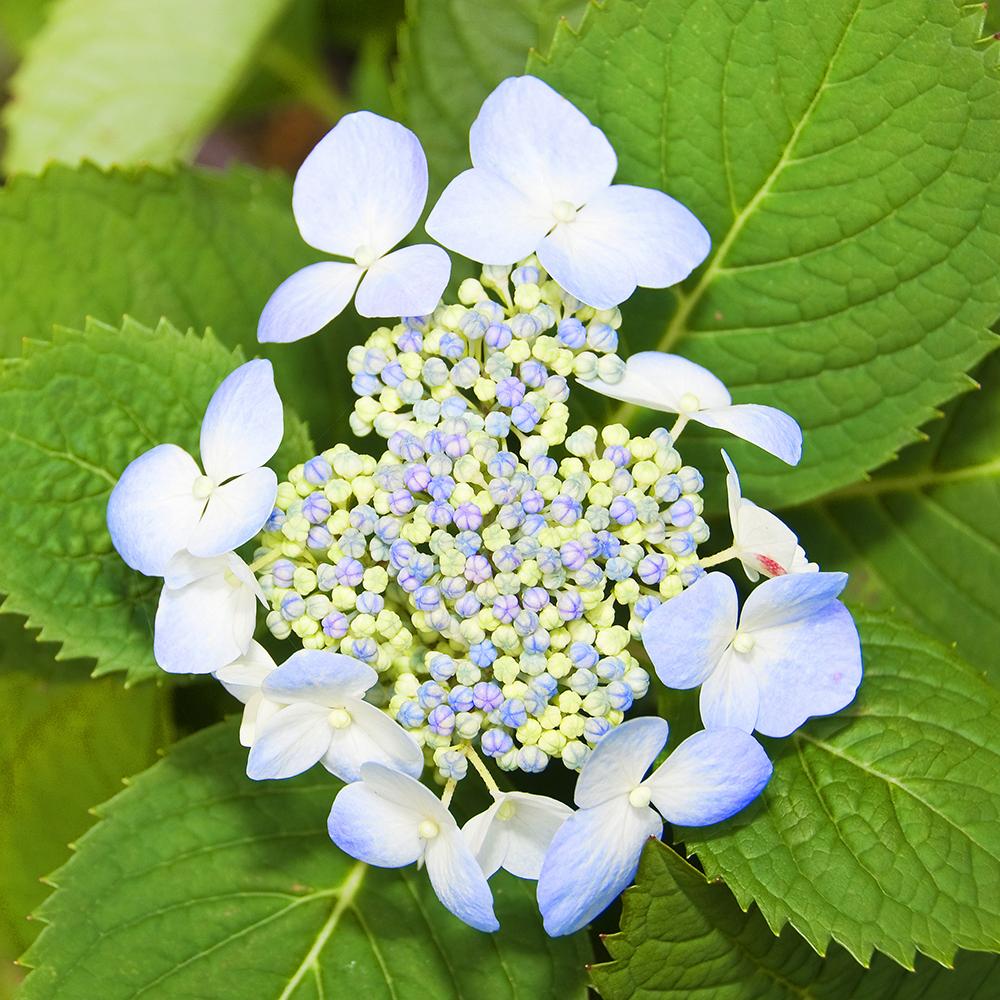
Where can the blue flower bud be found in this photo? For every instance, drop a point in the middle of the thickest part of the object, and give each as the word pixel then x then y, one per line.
pixel 316 508
pixel 495 743
pixel 532 759
pixel 498 336
pixel 652 569
pixel 595 729
pixel 410 715
pixel 319 537
pixel 317 471
pixel 601 337
pixel 538 642
pixel 468 517
pixel 533 373
pixel 467 606
pixel 401 553
pixel 426 598
pixel 527 274
pixel 545 683
pixel 365 650
pixel 487 696
pixel 610 668
pixel 430 694
pixel 410 341
pixel 483 653
pixel 393 374
pixel 453 587
pixel 572 333
pixel 497 424
pixel 292 606
pixel 691 574
pixel 617 569
pixel 513 713
pixel 622 510
pixel 364 384
pixel 570 605
pixel 582 682
pixel 525 417
pixel 682 543
pixel 618 455
pixel 510 392
pixel 473 324
pixel 591 575
pixel 502 465
pixel 505 607
pixel 532 502
pixel 525 326
pixel 620 696
pixel 535 702
pixel 275 520
pixel 460 698
pixel 439 513
pixel 335 625
pixel 406 446
pixel 468 542
pixel 667 489
pixel 583 655
pixel 282 572
pixel 565 509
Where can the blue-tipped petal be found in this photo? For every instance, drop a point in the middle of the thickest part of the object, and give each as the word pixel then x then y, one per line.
pixel 592 858
pixel 770 429
pixel 320 677
pixel 374 829
pixel 620 761
pixel 711 776
pixel 459 881
pixel 686 636
pixel 808 667
pixel 304 303
pixel 790 598
pixel 290 742
pixel 371 736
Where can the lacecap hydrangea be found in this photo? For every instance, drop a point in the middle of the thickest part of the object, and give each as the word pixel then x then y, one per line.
pixel 487 586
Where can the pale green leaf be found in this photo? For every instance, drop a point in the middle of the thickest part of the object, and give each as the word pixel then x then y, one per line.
pixel 120 82
pixel 880 828
pixel 66 742
pixel 20 20
pixel 204 248
pixel 682 937
pixel 201 883
pixel 923 535
pixel 452 53
pixel 73 414
pixel 845 165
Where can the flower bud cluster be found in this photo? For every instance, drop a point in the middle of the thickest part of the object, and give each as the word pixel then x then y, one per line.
pixel 511 358
pixel 494 574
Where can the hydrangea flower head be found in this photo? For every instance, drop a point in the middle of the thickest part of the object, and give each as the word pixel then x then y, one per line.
pixel 541 183
pixel 356 196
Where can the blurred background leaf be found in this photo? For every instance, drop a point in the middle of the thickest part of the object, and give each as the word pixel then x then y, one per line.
pixel 67 742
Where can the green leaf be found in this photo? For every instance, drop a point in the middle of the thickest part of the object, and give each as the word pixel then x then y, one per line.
pixel 880 828
pixel 73 414
pixel 118 82
pixel 20 21
pixel 845 166
pixel 682 936
pixel 452 53
pixel 923 535
pixel 66 743
pixel 204 248
pixel 200 882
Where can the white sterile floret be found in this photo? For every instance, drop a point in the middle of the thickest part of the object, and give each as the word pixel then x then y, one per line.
pixel 793 653
pixel 762 542
pixel 356 196
pixel 390 820
pixel 325 719
pixel 206 614
pixel 673 384
pixel 515 832
pixel 594 855
pixel 541 182
pixel 163 503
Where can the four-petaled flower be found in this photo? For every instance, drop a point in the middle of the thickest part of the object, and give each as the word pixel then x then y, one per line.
pixel 390 820
pixel 357 195
pixel 326 719
pixel 794 652
pixel 594 854
pixel 515 832
pixel 541 182
pixel 762 542
pixel 672 384
pixel 163 503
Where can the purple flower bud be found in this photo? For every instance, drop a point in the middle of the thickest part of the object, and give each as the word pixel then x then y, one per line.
pixel 316 508
pixel 426 598
pixel 408 580
pixel 573 554
pixel 525 417
pixel 652 569
pixel 570 605
pixel 532 502
pixel 565 510
pixel 467 606
pixel 477 569
pixel 318 471
pixel 417 478
pixel 410 341
pixel 439 513
pixel 622 510
pixel 441 720
pixel 406 446
pixel 319 537
pixel 393 374
pixel 468 517
pixel 349 572
pixel 292 607
pixel 495 743
pixel 401 553
pixel 505 608
pixel 487 696
pixel 510 392
pixel 571 333
pixel 401 502
pixel 681 513
pixel 441 487
pixel 533 373
pixel 282 572
pixel 535 598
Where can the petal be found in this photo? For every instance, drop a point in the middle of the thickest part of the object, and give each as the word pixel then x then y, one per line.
pixel 592 858
pixel 712 775
pixel 482 217
pixel 459 881
pixel 185 568
pixel 787 599
pixel 658 381
pixel 764 543
pixel 320 677
pixel 204 625
pixel 577 255
pixel 408 793
pixel 152 510
pixel 256 712
pixel 243 424
pixel 686 636
pixel 243 677
pixel 657 235
pixel 290 742
pixel 536 140
pixel 768 428
pixel 728 699
pixel 734 494
pixel 487 838
pixel 304 303
pixel 408 282
pixel 808 667
pixel 530 831
pixel 619 762
pixel 236 511
pixel 373 829
pixel 364 185
pixel 371 736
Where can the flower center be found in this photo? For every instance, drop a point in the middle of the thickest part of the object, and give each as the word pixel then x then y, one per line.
pixel 564 211
pixel 689 403
pixel 364 256
pixel 507 810
pixel 340 718
pixel 639 797
pixel 742 642
pixel 203 487
pixel 428 830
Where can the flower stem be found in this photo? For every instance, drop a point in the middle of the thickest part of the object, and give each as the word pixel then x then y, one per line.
pixel 449 791
pixel 679 424
pixel 484 773
pixel 266 560
pixel 719 557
